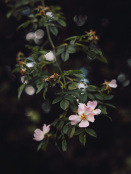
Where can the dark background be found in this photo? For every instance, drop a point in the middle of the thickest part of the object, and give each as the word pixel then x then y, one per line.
pixel 110 153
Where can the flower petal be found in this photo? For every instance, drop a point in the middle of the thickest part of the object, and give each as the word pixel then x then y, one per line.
pixel 46 129
pixel 38 135
pixel 81 108
pixel 91 117
pixel 92 104
pixel 112 83
pixel 84 123
pixel 96 111
pixel 75 119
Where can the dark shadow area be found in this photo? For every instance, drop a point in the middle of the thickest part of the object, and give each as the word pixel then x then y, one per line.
pixel 110 153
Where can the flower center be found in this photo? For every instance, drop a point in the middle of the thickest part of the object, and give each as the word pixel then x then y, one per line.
pixel 83 117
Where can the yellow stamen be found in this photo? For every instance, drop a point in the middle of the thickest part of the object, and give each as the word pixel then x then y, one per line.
pixel 83 117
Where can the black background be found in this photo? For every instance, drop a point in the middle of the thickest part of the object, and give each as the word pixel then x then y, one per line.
pixel 110 153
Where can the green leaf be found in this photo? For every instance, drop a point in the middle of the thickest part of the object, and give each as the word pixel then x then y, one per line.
pixel 60 124
pixel 56 100
pixel 65 56
pixel 71 131
pixel 64 145
pixel 66 127
pixel 74 72
pixel 72 86
pixel 69 97
pixel 91 96
pixel 60 50
pixel 64 104
pixel 99 96
pixel 71 49
pixel 103 109
pixel 39 88
pixel 110 105
pixel 108 97
pixel 20 90
pixel 53 30
pixel 82 139
pixel 78 131
pixel 91 88
pixel 43 145
pixel 45 91
pixel 62 23
pixel 91 132
pixel 102 59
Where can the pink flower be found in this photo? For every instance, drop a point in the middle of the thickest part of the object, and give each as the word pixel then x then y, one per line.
pixel 113 84
pixel 40 134
pixel 92 105
pixel 85 114
pixel 110 84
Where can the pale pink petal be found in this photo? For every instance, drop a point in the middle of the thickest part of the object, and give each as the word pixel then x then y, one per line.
pixel 38 135
pixel 81 105
pixel 87 110
pixel 92 104
pixel 96 111
pixel 46 129
pixel 112 83
pixel 81 108
pixel 84 123
pixel 91 118
pixel 73 117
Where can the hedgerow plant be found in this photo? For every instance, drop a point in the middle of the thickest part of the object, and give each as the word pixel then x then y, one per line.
pixel 43 67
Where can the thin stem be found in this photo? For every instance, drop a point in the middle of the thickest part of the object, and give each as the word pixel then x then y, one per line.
pixel 52 44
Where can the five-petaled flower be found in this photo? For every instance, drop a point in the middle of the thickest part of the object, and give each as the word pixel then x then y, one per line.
pixel 40 134
pixel 85 114
pixel 110 84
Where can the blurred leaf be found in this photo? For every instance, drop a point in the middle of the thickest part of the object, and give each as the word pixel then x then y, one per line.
pixel 64 145
pixel 91 96
pixel 39 88
pixel 61 22
pixel 91 132
pixel 71 131
pixel 65 56
pixel 20 90
pixel 82 139
pixel 103 109
pixel 64 104
pixel 53 30
pixel 110 105
pixel 56 100
pixel 78 131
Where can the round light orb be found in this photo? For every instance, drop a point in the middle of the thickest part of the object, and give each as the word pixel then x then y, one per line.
pixel 30 90
pixel 121 77
pixel 39 34
pixel 29 36
pixel 129 62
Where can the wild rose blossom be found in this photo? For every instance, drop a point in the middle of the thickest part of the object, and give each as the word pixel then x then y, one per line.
pixel 85 114
pixel 40 134
pixel 110 84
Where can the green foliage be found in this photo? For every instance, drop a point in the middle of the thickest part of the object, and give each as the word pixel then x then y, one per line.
pixel 48 76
